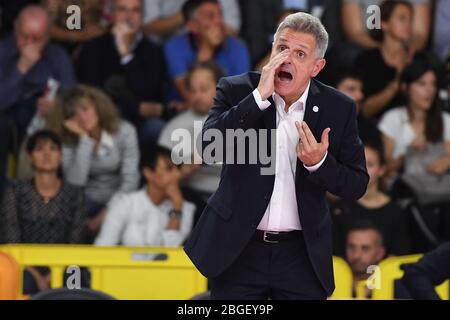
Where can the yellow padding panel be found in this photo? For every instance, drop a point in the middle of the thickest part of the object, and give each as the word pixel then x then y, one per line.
pixel 342 278
pixel 390 271
pixel 123 272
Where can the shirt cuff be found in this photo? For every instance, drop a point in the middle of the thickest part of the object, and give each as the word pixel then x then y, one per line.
pixel 317 166
pixel 126 59
pixel 262 104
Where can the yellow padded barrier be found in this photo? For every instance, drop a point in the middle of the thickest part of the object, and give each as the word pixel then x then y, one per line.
pixel 342 278
pixel 123 272
pixel 9 277
pixel 390 271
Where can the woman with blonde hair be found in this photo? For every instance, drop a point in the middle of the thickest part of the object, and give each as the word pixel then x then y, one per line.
pixel 100 150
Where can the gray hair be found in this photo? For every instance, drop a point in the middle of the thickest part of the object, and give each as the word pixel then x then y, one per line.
pixel 304 22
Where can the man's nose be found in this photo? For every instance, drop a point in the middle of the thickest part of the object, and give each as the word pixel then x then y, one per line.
pixel 288 59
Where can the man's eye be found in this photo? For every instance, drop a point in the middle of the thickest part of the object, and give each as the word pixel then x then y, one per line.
pixel 301 54
pixel 282 48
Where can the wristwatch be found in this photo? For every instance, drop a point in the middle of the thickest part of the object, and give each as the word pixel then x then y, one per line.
pixel 175 214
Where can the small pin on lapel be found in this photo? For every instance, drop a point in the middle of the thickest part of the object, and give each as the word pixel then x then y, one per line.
pixel 316 109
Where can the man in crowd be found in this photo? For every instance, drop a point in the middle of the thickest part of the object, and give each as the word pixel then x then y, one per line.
pixel 129 68
pixel 206 39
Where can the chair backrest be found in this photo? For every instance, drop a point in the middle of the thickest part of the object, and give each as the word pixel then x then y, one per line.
pixel 343 279
pixel 68 294
pixel 9 277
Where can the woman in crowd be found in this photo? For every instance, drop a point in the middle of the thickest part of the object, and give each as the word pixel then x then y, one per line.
pixel 355 14
pixel 44 209
pixel 418 126
pixel 100 150
pixel 380 67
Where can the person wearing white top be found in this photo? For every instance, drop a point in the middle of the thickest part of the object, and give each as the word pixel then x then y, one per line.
pixel 419 125
pixel 155 216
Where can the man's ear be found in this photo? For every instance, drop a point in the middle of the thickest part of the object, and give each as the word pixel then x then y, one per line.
pixel 147 173
pixel 191 26
pixel 320 64
pixel 381 253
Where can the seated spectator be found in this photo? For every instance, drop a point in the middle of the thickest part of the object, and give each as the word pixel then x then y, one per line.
pixel 100 150
pixel 419 130
pixel 355 16
pixel 206 39
pixel 201 181
pixel 441 40
pixel 4 150
pixel 44 209
pixel 376 207
pixel 448 77
pixel 430 271
pixel 91 18
pixel 350 83
pixel 27 63
pixel 9 10
pixel 164 19
pixel 381 67
pixel 154 216
pixel 364 248
pixel 129 68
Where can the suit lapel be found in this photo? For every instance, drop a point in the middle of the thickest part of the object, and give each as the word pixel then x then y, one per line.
pixel 313 109
pixel 270 115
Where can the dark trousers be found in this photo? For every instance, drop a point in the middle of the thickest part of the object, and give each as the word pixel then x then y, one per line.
pixel 265 271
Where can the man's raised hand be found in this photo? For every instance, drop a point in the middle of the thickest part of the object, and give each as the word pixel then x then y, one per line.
pixel 309 151
pixel 267 82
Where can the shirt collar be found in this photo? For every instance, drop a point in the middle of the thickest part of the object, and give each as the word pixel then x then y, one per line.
pixel 137 39
pixel 301 102
pixel 106 143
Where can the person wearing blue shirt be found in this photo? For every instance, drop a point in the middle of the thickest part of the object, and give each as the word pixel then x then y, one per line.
pixel 205 39
pixel 27 62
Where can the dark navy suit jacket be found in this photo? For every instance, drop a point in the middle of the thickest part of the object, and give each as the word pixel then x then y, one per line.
pixel 235 210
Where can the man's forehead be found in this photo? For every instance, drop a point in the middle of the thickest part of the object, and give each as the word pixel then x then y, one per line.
pixel 208 6
pixel 363 237
pixel 298 39
pixel 125 5
pixel 34 23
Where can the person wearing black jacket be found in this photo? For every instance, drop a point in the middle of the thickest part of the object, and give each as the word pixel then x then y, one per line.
pixel 432 270
pixel 129 68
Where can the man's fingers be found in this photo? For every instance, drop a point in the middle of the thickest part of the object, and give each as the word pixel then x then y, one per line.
pixel 325 138
pixel 299 150
pixel 302 135
pixel 309 135
pixel 277 60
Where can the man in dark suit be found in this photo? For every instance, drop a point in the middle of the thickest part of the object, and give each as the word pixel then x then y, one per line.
pixel 269 235
pixel 432 270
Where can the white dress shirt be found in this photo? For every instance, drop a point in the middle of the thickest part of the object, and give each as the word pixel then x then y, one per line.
pixel 282 212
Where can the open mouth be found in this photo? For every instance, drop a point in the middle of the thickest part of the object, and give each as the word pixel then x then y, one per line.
pixel 285 76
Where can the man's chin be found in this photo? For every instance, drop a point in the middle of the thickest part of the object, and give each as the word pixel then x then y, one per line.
pixel 285 89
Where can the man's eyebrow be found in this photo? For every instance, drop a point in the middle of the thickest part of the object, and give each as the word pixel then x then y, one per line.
pixel 282 40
